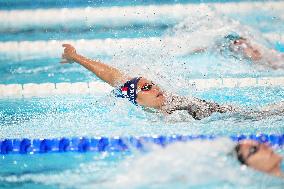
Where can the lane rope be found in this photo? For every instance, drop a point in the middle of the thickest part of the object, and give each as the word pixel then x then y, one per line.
pixel 115 144
pixel 24 19
pixel 106 47
pixel 98 87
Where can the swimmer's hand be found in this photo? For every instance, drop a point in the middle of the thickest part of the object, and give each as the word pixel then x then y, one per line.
pixel 68 54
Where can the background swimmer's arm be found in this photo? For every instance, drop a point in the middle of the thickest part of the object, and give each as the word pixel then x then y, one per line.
pixel 198 50
pixel 109 74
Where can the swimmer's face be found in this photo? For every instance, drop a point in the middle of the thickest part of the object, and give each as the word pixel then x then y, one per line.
pixel 239 45
pixel 149 95
pixel 243 46
pixel 259 156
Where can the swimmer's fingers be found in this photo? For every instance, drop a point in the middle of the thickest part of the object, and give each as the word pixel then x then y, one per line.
pixel 69 49
pixel 66 45
pixel 69 52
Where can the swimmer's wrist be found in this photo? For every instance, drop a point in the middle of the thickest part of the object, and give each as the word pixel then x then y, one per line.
pixel 75 57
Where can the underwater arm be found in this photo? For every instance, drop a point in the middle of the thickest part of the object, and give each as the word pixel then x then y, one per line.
pixel 198 50
pixel 109 74
pixel 198 108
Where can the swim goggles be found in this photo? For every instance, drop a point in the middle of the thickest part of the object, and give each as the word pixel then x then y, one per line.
pixel 145 87
pixel 252 150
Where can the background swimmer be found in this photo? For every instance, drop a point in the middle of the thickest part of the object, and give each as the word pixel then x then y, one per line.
pixel 241 47
pixel 259 156
pixel 194 159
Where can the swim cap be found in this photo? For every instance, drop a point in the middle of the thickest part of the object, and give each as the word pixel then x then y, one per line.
pixel 233 37
pixel 129 90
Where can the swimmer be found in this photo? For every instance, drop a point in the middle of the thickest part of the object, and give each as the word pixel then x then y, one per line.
pixel 141 91
pixel 241 47
pixel 258 156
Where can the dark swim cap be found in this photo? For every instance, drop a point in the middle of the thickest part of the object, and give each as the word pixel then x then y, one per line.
pixel 129 90
pixel 232 37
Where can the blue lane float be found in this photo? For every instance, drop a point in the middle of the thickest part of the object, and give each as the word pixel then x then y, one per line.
pixel 114 144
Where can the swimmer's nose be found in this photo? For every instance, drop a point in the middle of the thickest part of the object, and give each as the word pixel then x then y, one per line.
pixel 155 88
pixel 159 91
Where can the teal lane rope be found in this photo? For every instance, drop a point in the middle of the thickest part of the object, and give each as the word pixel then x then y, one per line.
pixel 114 144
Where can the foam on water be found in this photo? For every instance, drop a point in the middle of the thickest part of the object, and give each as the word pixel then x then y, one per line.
pixel 100 115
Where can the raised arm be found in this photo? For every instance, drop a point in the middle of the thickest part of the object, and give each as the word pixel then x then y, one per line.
pixel 109 74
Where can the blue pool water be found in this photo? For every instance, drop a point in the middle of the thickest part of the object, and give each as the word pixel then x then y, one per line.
pixel 149 38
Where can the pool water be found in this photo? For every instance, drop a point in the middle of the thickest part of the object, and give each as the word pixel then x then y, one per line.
pixel 149 38
pixel 87 115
